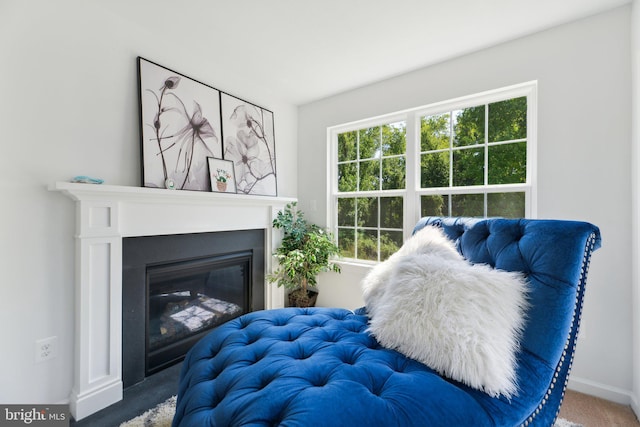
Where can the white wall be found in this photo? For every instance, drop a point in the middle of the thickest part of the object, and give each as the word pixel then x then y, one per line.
pixel 635 164
pixel 69 106
pixel 584 133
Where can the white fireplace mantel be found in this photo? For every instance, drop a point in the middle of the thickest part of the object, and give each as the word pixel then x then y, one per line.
pixel 104 215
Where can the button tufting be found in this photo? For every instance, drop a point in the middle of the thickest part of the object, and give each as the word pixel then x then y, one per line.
pixel 349 359
pixel 401 366
pixel 331 339
pixel 264 383
pixel 376 391
pixel 243 323
pixel 252 338
pixel 372 344
pixel 301 353
pixel 319 382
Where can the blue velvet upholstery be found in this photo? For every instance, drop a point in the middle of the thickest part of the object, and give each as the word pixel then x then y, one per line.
pixel 319 366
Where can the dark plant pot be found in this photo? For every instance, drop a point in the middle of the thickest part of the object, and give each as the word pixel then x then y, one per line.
pixel 298 298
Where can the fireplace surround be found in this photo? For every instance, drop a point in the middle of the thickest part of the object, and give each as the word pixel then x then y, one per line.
pixel 105 214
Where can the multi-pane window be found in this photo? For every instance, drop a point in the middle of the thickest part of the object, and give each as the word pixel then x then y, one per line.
pixel 467 157
pixel 466 153
pixel 371 162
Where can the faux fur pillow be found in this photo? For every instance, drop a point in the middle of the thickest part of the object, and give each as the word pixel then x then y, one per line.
pixel 460 319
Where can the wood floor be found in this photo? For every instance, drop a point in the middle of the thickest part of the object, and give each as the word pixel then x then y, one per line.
pixel 595 412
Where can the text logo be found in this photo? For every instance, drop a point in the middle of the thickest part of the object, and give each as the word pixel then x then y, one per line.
pixel 34 415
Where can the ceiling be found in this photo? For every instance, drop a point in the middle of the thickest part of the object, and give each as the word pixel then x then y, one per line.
pixel 306 50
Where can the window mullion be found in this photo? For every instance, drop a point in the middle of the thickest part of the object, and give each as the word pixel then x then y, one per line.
pixel 378 227
pixel 355 219
pixel 411 201
pixel 380 159
pixel 358 160
pixel 355 229
pixel 449 202
pixel 486 145
pixel 486 156
pixel 378 223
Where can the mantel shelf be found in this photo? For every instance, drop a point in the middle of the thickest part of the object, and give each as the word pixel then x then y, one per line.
pixel 80 192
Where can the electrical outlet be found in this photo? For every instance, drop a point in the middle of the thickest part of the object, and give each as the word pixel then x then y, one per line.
pixel 46 349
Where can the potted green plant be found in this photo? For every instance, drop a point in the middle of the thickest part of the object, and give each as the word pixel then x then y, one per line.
pixel 306 250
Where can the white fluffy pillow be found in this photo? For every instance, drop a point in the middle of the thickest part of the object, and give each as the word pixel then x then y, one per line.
pixel 460 319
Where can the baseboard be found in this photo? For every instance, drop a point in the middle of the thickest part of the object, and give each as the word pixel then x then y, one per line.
pixel 635 406
pixel 89 402
pixel 604 391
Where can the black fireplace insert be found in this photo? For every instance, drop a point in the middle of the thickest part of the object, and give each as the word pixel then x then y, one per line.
pixel 176 288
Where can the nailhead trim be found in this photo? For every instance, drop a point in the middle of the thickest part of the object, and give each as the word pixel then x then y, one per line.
pixel 584 269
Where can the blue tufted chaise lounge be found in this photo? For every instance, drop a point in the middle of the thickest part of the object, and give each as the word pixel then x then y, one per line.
pixel 320 367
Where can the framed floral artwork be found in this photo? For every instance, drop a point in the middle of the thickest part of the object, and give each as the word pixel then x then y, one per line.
pixel 180 128
pixel 222 175
pixel 249 143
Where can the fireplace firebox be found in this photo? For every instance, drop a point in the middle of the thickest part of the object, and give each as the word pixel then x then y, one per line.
pixel 176 288
pixel 188 298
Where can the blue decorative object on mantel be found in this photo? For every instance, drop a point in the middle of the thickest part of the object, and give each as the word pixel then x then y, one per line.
pixel 87 179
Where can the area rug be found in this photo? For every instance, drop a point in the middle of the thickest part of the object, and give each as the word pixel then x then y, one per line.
pixel 162 415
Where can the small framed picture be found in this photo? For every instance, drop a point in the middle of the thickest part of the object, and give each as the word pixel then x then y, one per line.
pixel 222 175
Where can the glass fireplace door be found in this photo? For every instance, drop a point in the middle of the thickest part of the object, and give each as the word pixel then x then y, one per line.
pixel 188 298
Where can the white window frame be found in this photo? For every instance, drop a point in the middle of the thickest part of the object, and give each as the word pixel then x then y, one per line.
pixel 412 193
